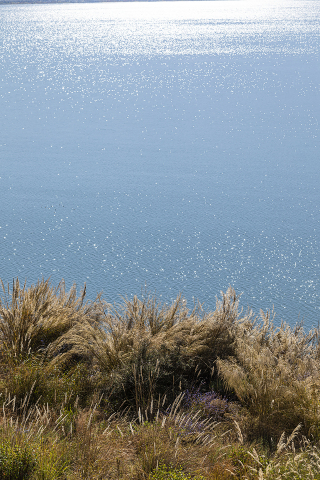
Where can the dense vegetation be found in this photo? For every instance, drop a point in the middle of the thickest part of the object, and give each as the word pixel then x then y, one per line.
pixel 140 390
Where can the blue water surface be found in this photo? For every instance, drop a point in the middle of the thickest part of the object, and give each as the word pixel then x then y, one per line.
pixel 173 145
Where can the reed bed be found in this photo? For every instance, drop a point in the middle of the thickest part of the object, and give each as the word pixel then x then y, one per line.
pixel 148 391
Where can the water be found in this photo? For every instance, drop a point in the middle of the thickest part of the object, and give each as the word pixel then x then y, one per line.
pixel 169 144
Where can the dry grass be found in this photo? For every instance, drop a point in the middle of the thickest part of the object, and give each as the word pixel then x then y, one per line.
pixel 144 390
pixel 87 444
pixel 288 462
pixel 275 374
pixel 33 318
pixel 146 349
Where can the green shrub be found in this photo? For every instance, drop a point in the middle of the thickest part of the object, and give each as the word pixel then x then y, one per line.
pixel 16 462
pixel 164 472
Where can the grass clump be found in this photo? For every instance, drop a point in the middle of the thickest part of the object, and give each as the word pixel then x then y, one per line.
pixel 275 375
pixel 142 390
pixel 33 318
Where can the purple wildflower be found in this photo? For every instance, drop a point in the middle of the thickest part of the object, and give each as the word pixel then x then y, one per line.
pixel 210 403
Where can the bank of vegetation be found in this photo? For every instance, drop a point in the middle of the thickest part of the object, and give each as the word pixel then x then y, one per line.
pixel 141 390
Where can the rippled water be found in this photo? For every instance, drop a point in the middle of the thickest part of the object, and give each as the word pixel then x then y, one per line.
pixel 169 144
